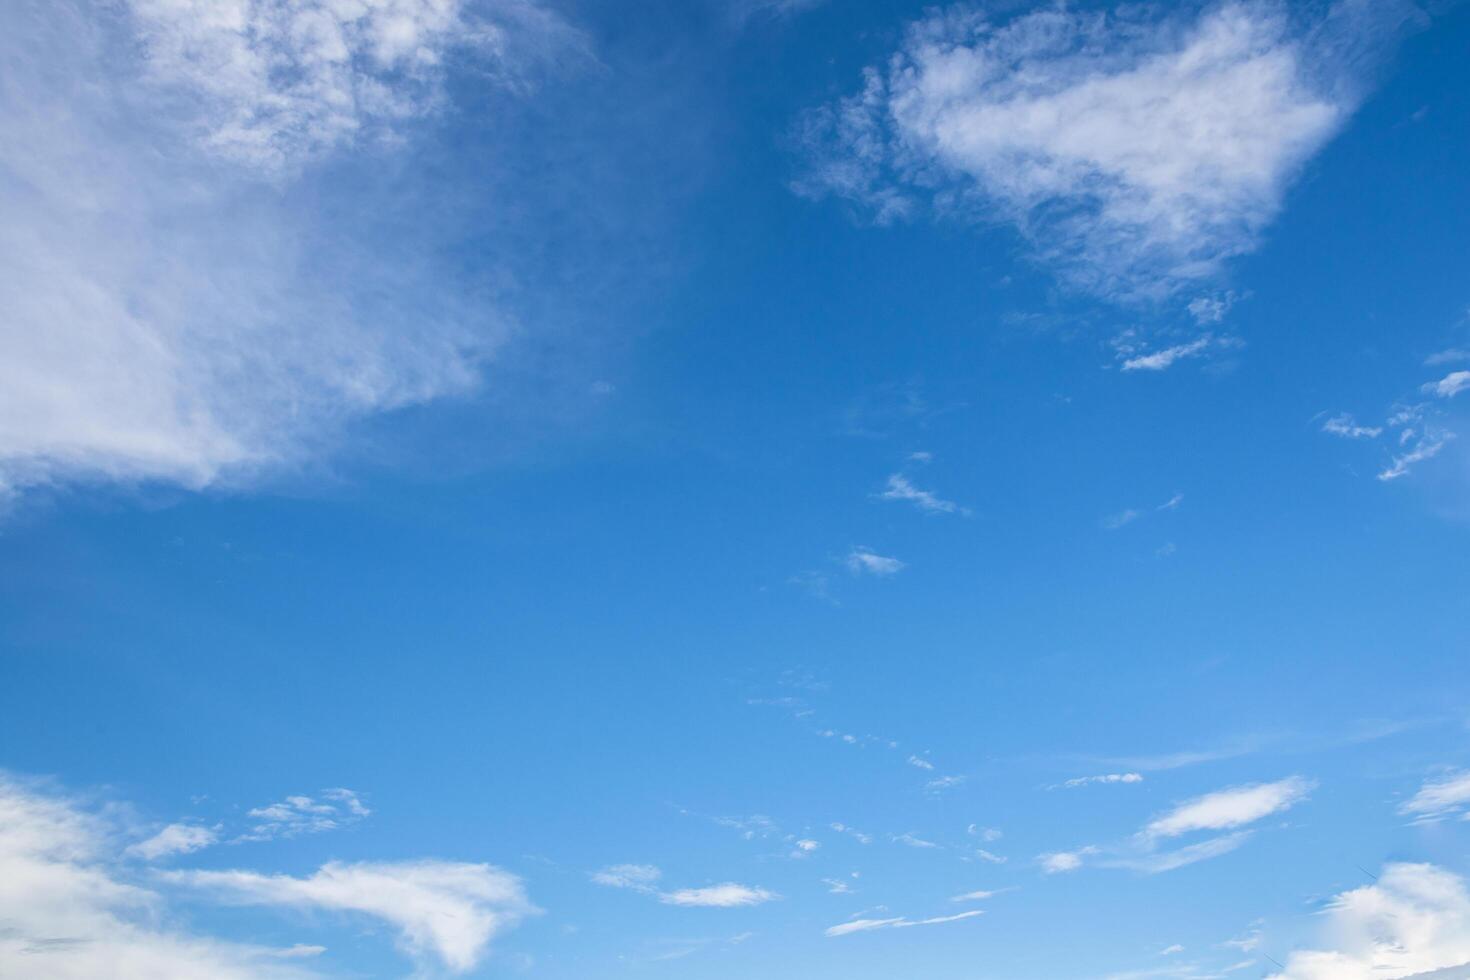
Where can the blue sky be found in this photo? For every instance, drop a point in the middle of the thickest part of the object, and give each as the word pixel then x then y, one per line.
pixel 734 488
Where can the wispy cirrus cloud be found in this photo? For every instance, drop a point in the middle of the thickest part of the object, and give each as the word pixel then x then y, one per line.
pixel 900 489
pixel 644 879
pixel 1229 810
pixel 1436 800
pixel 900 922
pixel 1136 150
pixel 1161 360
pixel 1104 779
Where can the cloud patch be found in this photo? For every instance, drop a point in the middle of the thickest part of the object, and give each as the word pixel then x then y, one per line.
pixel 644 879
pixel 1137 151
pixel 1413 920
pixel 73 906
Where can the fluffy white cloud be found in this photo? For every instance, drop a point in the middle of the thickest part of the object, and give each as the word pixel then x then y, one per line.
pixel 1414 920
pixel 867 925
pixel 865 561
pixel 1439 799
pixel 1229 808
pixel 1135 149
pixel 450 911
pixel 169 317
pixel 176 838
pixel 73 908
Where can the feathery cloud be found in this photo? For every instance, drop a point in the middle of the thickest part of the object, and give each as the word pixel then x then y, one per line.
pixel 867 925
pixel 900 489
pixel 176 838
pixel 644 878
pixel 1112 777
pixel 445 910
pixel 1439 799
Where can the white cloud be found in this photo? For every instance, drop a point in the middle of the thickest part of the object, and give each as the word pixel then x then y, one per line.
pixel 899 488
pixel 1171 950
pixel 1413 920
pixel 1059 862
pixel 722 896
pixel 1164 359
pixel 1451 356
pixel 1210 309
pixel 863 560
pixel 172 318
pixel 445 909
pixel 1135 150
pixel 1157 863
pixel 978 896
pixel 1121 519
pixel 298 815
pixel 866 925
pixel 1112 777
pixel 1450 385
pixel 176 838
pixel 805 846
pixel 909 840
pixel 852 832
pixel 919 763
pixel 836 886
pixel 942 783
pixel 1226 809
pixel 644 878
pixel 1426 443
pixel 1344 425
pixel 1439 799
pixel 277 81
pixel 72 909
pixel 639 877
pixel 1229 808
